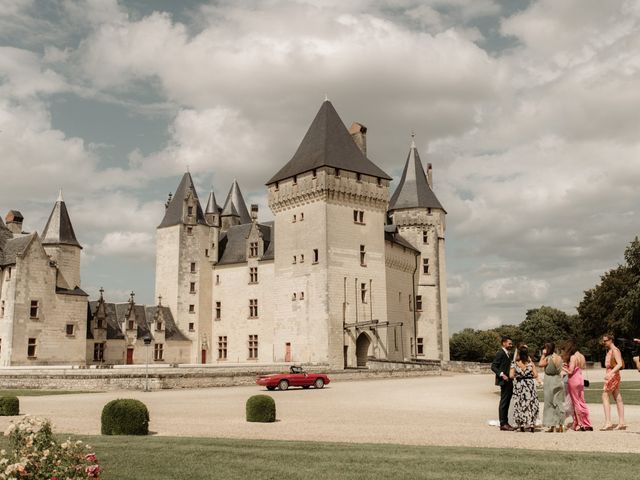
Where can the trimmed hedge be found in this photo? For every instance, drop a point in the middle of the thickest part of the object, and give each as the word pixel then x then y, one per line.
pixel 125 416
pixel 9 406
pixel 261 408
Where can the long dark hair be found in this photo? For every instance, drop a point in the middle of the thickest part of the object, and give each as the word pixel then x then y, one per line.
pixel 550 347
pixel 523 354
pixel 570 347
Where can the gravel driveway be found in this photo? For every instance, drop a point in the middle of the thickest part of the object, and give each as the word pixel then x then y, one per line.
pixel 448 410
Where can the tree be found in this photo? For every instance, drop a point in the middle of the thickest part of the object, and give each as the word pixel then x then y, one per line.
pixel 474 345
pixel 547 324
pixel 614 304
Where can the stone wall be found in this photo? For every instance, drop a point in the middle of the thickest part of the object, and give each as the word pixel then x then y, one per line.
pixel 134 378
pixel 466 367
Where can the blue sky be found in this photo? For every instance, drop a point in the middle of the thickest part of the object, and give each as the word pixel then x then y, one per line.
pixel 527 110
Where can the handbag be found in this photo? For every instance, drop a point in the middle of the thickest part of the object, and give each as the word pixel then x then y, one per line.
pixel 586 382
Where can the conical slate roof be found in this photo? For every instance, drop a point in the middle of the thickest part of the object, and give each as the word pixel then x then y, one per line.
pixel 59 230
pixel 413 190
pixel 235 205
pixel 328 143
pixel 174 212
pixel 212 206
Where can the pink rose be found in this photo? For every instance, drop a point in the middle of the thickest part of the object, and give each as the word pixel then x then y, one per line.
pixel 93 470
pixel 91 457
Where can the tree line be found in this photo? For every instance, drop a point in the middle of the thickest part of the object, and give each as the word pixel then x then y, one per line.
pixel 613 305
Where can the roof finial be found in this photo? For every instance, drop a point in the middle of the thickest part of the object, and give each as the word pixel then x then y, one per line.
pixel 60 199
pixel 413 139
pixel 326 97
pixel 131 298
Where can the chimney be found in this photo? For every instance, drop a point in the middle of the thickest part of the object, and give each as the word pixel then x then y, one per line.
pixel 359 134
pixel 430 176
pixel 14 221
pixel 254 212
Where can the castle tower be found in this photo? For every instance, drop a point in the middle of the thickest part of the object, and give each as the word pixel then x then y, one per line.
pixel 60 243
pixel 235 210
pixel 420 218
pixel 183 271
pixel 329 203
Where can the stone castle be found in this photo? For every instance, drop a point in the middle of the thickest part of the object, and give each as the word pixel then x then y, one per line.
pixel 343 274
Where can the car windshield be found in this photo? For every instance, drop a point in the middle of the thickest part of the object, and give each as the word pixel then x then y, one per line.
pixel 295 369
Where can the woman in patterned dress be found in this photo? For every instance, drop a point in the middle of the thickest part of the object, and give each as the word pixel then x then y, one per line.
pixel 525 397
pixel 613 363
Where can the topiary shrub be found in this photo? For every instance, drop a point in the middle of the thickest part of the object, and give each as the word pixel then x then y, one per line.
pixel 261 408
pixel 9 406
pixel 125 416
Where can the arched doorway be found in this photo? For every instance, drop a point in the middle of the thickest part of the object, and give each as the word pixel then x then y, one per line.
pixel 362 349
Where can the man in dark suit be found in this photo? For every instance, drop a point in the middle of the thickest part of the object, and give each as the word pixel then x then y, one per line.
pixel 501 366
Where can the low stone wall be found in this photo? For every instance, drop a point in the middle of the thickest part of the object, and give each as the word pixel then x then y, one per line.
pixel 135 378
pixel 466 367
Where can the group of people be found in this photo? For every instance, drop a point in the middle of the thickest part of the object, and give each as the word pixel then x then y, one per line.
pixel 564 384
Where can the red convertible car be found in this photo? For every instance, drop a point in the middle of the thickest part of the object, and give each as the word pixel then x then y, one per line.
pixel 297 378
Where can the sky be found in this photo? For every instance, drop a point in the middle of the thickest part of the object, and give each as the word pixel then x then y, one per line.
pixel 528 111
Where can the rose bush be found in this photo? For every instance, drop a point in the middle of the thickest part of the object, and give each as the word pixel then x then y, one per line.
pixel 36 455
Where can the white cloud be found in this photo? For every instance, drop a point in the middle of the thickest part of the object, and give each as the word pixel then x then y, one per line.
pixel 515 290
pixel 135 245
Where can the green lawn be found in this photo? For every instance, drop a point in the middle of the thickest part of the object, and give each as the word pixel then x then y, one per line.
pixel 593 394
pixel 32 392
pixel 155 458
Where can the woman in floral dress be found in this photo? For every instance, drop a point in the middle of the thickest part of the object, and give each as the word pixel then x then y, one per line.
pixel 525 397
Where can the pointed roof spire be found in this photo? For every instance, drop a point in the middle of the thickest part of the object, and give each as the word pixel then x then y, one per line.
pixel 413 191
pixel 174 212
pixel 212 206
pixel 328 143
pixel 235 205
pixel 59 230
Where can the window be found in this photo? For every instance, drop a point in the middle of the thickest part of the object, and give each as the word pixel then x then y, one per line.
pixel 412 346
pixel 253 308
pixel 301 295
pixel 218 310
pixel 206 252
pixel 217 279
pixel 189 230
pixel 302 217
pixel 302 258
pixel 31 348
pixel 192 267
pixel 253 346
pixel 420 344
pixel 192 287
pixel 192 309
pixel 189 210
pixel 429 211
pixel 33 311
pixel 295 296
pixel 253 275
pixel 277 186
pixel 395 339
pixel 379 181
pixel 98 352
pixel 315 255
pixel 158 352
pixel 337 172
pixel 362 256
pixel 410 306
pixel 425 237
pixel 418 303
pixel 70 329
pixel 358 216
pixel 399 297
pixel 425 266
pixel 253 249
pixel 158 326
pixel 295 179
pixel 363 292
pixel 130 325
pixel 192 327
pixel 294 219
pixel 100 323
pixel 294 259
pixel 358 177
pixel 222 348
pixel 9 274
pixel 314 173
pixel 2 309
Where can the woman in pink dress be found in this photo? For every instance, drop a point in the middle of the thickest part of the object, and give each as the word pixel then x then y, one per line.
pixel 574 365
pixel 613 363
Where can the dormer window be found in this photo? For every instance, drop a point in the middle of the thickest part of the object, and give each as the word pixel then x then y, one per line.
pixel 159 326
pixel 253 249
pixel 130 325
pixel 379 181
pixel 314 173
pixel 358 177
pixel 99 323
pixel 295 179
pixel 189 210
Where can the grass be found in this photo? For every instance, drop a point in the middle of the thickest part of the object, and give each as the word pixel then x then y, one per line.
pixel 178 458
pixel 593 394
pixel 27 392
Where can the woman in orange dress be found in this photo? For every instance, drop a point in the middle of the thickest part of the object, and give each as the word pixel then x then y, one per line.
pixel 613 363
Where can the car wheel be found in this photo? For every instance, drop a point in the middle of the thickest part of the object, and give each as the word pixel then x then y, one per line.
pixel 319 383
pixel 271 388
pixel 283 385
